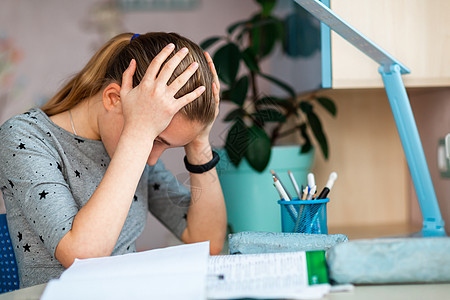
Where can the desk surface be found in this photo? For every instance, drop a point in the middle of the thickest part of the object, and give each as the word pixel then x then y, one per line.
pixel 366 292
pixel 391 292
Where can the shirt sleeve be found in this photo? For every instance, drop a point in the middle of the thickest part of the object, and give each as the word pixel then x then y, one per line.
pixel 32 178
pixel 168 199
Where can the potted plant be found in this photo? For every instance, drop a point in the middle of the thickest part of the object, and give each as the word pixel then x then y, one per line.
pixel 259 120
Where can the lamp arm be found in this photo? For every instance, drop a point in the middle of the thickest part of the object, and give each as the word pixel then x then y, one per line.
pixel 433 224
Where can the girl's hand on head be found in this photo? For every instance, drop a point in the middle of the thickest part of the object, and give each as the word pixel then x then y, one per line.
pixel 149 107
pixel 203 137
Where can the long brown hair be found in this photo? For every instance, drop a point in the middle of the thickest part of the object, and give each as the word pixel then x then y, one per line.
pixel 109 63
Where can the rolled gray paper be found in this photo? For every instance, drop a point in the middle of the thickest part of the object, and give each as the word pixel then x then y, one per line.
pixel 395 260
pixel 251 242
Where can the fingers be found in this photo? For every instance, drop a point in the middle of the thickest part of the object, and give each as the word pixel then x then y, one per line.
pixel 215 84
pixel 213 70
pixel 157 62
pixel 183 78
pixel 127 77
pixel 171 65
pixel 188 98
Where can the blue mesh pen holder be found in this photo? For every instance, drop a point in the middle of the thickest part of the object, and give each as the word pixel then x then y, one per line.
pixel 304 216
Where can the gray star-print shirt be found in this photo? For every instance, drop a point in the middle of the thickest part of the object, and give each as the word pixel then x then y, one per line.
pixel 47 174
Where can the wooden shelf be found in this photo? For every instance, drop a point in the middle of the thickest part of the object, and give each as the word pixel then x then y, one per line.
pixel 413 31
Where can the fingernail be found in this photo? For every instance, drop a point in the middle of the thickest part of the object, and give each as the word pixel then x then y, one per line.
pixel 171 46
pixel 184 50
pixel 202 89
pixel 194 65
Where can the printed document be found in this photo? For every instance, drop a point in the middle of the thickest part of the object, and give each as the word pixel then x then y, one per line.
pixel 265 276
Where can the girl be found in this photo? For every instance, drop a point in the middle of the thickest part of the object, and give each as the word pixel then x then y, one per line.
pixel 79 174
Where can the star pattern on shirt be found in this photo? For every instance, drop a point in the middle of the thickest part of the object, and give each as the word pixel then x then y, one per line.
pixel 43 194
pixel 68 169
pixel 26 248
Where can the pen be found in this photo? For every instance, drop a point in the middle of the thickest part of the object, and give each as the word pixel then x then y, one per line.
pixel 305 193
pixel 324 193
pixel 281 183
pixel 294 183
pixel 280 189
pixel 284 197
pixel 311 193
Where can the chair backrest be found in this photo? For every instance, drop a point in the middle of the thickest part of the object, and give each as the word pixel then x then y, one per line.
pixel 9 277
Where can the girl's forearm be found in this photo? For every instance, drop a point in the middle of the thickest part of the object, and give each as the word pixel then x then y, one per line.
pixel 207 218
pixel 97 225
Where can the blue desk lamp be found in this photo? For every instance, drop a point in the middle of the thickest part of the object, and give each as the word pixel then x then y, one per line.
pixel 391 70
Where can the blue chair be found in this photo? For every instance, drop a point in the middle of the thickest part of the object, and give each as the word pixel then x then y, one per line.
pixel 9 277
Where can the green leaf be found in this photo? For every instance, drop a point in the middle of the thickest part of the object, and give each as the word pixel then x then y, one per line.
pixel 250 59
pixel 305 106
pixel 328 104
pixel 269 115
pixel 238 93
pixel 267 6
pixel 237 142
pixel 225 95
pixel 209 42
pixel 233 26
pixel 226 60
pixel 264 35
pixel 237 113
pixel 275 101
pixel 316 128
pixel 301 34
pixel 306 146
pixel 281 84
pixel 258 149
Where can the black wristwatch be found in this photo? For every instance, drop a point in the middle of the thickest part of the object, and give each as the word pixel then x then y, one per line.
pixel 198 169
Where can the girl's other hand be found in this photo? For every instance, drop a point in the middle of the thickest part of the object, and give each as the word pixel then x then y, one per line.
pixel 149 107
pixel 203 137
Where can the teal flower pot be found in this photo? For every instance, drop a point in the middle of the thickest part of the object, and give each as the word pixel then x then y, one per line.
pixel 250 197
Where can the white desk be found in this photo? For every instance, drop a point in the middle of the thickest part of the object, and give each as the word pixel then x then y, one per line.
pixel 391 292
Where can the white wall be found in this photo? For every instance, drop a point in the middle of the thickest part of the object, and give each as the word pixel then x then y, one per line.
pixel 55 38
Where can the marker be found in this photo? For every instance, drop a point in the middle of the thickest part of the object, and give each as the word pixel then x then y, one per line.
pixel 287 193
pixel 311 180
pixel 324 193
pixel 312 188
pixel 294 183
